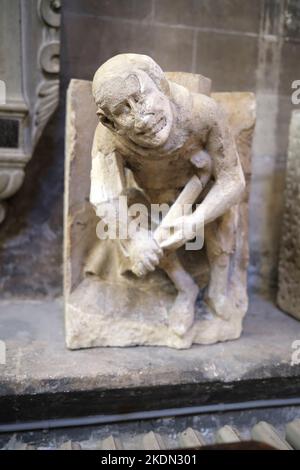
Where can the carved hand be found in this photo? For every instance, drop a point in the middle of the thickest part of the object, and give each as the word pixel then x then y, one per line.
pixel 144 253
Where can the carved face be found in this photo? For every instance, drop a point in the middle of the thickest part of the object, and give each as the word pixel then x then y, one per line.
pixel 136 108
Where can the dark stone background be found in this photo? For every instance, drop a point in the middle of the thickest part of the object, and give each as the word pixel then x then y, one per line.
pixel 240 44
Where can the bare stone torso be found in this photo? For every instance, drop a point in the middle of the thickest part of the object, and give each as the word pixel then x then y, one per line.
pixel 163 172
pixel 162 175
pixel 166 175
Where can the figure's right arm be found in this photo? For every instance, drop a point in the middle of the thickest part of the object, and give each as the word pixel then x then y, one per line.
pixel 108 183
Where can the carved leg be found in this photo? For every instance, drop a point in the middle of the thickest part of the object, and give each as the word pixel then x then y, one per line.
pixel 219 241
pixel 181 316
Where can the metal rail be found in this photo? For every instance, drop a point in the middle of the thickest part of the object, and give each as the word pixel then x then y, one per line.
pixel 143 415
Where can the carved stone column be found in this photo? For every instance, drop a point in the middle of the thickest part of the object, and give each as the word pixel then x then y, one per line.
pixel 29 67
pixel 289 264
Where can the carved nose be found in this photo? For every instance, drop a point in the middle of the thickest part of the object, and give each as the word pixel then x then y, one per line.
pixel 141 122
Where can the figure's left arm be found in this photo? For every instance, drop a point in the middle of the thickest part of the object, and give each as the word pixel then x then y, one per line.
pixel 229 184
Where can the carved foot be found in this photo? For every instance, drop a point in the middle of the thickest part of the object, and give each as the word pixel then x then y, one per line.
pixel 181 316
pixel 220 306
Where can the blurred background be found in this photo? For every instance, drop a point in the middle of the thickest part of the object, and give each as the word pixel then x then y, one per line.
pixel 241 45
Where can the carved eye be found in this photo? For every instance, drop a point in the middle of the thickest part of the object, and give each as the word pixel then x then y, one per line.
pixel 105 120
pixel 125 108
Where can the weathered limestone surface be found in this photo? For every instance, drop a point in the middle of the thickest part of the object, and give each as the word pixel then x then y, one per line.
pixel 289 264
pixel 113 309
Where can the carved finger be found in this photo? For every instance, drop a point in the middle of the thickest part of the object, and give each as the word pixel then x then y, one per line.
pixel 138 269
pixel 157 249
pixel 149 265
pixel 136 272
pixel 154 259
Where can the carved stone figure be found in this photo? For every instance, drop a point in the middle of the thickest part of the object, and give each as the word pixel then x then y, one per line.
pixel 159 142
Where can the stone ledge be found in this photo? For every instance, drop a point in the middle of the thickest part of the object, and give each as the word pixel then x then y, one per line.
pixel 43 380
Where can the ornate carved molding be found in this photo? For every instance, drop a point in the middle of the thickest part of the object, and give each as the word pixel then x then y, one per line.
pixel 28 30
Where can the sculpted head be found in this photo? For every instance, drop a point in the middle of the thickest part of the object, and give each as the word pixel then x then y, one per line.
pixel 132 99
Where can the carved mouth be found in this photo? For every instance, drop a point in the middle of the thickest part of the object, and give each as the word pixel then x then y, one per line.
pixel 161 123
pixel 154 129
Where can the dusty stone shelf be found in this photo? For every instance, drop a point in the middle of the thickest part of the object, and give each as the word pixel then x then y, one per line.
pixel 43 380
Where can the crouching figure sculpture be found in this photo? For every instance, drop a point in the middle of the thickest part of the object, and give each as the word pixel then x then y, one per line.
pixel 161 146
